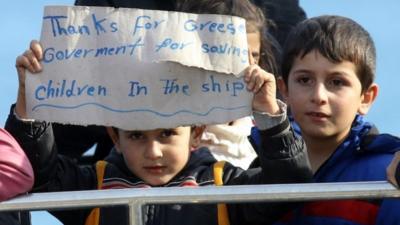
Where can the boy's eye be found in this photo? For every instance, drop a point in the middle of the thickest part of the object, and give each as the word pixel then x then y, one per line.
pixel 167 133
pixel 337 82
pixel 303 80
pixel 135 135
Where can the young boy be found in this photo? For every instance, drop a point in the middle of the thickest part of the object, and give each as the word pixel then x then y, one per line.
pixel 327 81
pixel 163 158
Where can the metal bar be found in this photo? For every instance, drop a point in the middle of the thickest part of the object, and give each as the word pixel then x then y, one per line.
pixel 135 213
pixel 209 194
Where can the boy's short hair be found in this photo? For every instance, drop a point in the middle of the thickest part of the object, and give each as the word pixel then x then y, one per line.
pixel 338 39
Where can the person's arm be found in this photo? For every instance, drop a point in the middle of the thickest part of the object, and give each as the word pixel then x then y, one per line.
pixel 283 159
pixel 52 173
pixel 16 174
pixel 37 141
pixel 283 155
pixel 281 150
pixel 34 137
pixel 393 170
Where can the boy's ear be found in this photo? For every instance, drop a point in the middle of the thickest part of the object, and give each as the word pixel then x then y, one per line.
pixel 367 98
pixel 282 88
pixel 195 137
pixel 114 137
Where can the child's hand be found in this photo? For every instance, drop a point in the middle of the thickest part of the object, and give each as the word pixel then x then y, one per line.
pixel 29 60
pixel 391 170
pixel 263 85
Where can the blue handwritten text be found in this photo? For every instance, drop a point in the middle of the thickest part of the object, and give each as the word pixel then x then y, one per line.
pixel 226 49
pixel 58 29
pixel 217 87
pixel 136 89
pixel 142 22
pixel 210 26
pixel 171 86
pixel 51 54
pixel 67 89
pixel 169 43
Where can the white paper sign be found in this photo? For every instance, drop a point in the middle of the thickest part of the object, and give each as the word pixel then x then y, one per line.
pixel 139 69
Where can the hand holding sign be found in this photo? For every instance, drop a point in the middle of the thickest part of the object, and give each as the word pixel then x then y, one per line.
pixel 27 61
pixel 129 68
pixel 263 85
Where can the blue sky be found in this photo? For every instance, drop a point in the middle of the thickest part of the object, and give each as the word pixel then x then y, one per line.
pixel 21 22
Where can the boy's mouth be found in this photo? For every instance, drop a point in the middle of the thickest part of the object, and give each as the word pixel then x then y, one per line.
pixel 154 169
pixel 317 115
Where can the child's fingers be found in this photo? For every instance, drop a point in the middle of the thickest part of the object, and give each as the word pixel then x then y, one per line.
pixel 255 78
pixel 36 49
pixel 259 82
pixel 20 65
pixel 33 61
pixel 23 63
pixel 247 73
pixel 250 82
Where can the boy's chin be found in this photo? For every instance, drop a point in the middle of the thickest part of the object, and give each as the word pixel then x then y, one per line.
pixel 157 181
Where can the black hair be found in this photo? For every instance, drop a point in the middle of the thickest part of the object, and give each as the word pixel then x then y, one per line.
pixel 338 39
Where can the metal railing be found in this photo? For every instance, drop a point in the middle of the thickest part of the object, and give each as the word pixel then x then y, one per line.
pixel 135 198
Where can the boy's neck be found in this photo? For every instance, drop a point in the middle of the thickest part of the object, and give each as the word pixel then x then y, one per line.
pixel 320 149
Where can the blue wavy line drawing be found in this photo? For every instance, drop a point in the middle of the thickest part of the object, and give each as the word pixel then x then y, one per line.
pixel 138 110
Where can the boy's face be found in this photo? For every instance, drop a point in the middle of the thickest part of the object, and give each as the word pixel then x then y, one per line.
pixel 324 97
pixel 155 156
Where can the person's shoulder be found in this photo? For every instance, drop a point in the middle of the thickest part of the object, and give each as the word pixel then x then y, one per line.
pixel 6 137
pixel 381 143
pixel 373 156
pixel 12 153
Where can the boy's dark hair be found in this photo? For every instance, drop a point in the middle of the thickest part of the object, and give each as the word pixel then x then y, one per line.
pixel 338 39
pixel 255 22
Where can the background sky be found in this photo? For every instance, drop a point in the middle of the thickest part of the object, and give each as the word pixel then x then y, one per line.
pixel 21 22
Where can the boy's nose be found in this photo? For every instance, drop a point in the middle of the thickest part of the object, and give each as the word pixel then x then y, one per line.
pixel 153 150
pixel 319 94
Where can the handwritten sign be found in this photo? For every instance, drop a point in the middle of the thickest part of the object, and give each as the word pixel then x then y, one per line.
pixel 139 69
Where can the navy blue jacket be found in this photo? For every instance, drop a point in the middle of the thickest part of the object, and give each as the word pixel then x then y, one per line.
pixel 363 156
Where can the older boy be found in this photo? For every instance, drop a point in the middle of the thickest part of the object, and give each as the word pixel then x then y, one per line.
pixel 162 158
pixel 328 72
